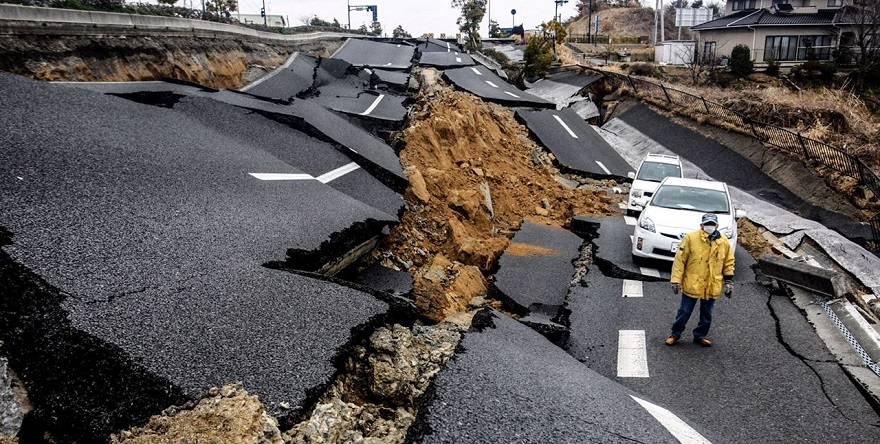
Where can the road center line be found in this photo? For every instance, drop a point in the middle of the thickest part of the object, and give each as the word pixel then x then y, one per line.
pixel 492 84
pixel 632 289
pixel 448 48
pixel 374 105
pixel 281 176
pixel 653 272
pixel 337 173
pixel 570 132
pixel 511 94
pixel 476 71
pixel 684 433
pixel 632 357
pixel 458 59
pixel 601 165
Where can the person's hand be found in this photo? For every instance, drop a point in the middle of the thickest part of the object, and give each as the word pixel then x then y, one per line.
pixel 676 287
pixel 728 288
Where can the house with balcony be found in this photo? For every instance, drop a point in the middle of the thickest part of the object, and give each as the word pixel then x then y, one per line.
pixel 789 32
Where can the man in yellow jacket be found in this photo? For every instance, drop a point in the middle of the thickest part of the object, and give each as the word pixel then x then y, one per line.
pixel 702 269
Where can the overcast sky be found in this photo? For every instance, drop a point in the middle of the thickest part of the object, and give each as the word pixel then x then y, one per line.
pixel 416 16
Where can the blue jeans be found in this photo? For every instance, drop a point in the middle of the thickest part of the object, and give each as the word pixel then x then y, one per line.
pixel 684 313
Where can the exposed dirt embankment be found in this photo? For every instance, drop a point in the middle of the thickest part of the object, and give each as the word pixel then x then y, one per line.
pixel 220 63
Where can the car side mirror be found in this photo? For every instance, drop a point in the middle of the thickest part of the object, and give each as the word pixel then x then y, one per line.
pixel 740 214
pixel 631 175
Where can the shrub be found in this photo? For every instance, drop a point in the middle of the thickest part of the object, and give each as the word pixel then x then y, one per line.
pixel 741 63
pixel 642 69
pixel 772 66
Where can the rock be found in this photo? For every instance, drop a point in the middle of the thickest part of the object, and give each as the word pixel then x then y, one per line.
pixel 11 411
pixel 541 211
pixel 417 185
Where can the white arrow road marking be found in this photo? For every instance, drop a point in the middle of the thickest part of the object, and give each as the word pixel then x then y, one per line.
pixel 492 84
pixel 678 428
pixel 282 176
pixel 324 178
pixel 630 220
pixel 632 289
pixel 601 165
pixel 374 105
pixel 511 94
pixel 337 173
pixel 570 132
pixel 649 271
pixel 476 71
pixel 632 357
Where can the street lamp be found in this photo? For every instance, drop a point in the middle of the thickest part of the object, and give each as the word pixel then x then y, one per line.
pixel 558 2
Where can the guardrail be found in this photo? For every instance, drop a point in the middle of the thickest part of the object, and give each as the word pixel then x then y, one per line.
pixel 794 143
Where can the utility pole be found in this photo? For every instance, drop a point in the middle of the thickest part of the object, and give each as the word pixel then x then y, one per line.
pixel 590 23
pixel 265 16
pixel 348 2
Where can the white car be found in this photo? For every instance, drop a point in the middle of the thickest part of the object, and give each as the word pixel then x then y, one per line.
pixel 653 169
pixel 675 209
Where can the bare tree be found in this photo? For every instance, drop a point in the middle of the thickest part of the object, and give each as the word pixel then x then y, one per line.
pixel 862 45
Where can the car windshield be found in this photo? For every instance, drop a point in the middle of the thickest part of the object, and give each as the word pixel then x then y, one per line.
pixel 689 198
pixel 655 171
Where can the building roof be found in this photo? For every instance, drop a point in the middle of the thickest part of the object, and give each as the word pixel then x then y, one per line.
pixel 766 17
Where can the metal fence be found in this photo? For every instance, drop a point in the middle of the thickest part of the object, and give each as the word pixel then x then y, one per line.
pixel 794 143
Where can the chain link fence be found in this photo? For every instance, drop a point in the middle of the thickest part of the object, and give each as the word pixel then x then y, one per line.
pixel 795 144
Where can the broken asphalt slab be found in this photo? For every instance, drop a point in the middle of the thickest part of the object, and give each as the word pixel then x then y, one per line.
pixel 561 87
pixel 574 142
pixel 536 269
pixel 365 53
pixel 445 60
pixel 611 238
pixel 288 80
pixel 483 83
pixel 509 384
pixel 85 203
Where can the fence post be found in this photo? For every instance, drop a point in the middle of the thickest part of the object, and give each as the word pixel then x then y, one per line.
pixel 861 168
pixel 804 147
pixel 666 93
pixel 705 105
pixel 632 84
pixel 752 127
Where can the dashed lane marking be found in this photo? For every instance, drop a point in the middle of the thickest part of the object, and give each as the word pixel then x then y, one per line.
pixel 458 59
pixel 630 220
pixel 601 165
pixel 511 94
pixel 476 71
pixel 653 272
pixel 622 205
pixel 632 289
pixel 324 178
pixel 561 122
pixel 492 84
pixel 373 105
pixel 684 433
pixel 632 357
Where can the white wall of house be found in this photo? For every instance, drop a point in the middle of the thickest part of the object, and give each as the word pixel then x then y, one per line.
pixel 789 46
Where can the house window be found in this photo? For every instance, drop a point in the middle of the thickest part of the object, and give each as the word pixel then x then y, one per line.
pixel 781 47
pixel 835 3
pixel 708 52
pixel 739 5
pixel 814 47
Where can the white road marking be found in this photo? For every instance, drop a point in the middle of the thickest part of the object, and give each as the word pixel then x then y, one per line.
pixel 388 64
pixel 653 272
pixel 601 165
pixel 684 433
pixel 492 84
pixel 476 71
pixel 632 357
pixel 337 173
pixel 281 176
pixel 632 289
pixel 448 48
pixel 511 94
pixel 622 205
pixel 398 46
pixel 374 105
pixel 458 59
pixel 570 132
pixel 629 219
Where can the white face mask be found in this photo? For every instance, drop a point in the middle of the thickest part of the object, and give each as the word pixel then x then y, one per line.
pixel 709 229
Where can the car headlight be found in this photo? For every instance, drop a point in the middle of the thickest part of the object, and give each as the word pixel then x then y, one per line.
pixel 647 224
pixel 637 193
pixel 727 232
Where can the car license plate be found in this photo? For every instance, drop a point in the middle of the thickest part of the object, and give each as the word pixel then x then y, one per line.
pixel 674 247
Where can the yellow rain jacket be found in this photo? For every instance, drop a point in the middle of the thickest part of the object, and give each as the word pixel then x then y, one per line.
pixel 700 265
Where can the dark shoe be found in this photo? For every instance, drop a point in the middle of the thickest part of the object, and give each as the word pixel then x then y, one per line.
pixel 671 340
pixel 703 342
